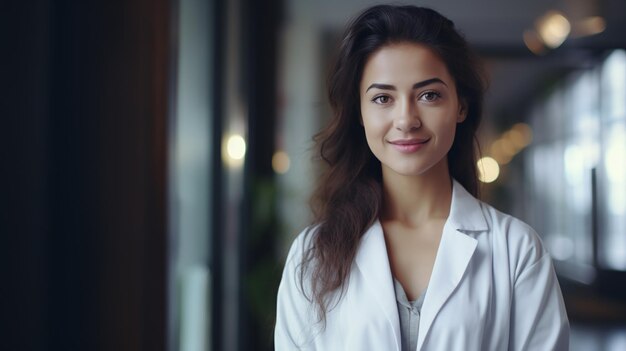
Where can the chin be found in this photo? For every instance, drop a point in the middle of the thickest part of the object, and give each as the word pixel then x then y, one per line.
pixel 417 168
pixel 409 171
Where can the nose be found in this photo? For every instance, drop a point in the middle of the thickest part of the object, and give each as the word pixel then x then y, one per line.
pixel 408 118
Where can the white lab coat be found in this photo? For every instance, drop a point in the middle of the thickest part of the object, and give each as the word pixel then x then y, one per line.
pixel 493 287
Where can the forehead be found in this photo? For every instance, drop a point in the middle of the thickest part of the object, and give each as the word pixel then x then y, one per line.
pixel 404 64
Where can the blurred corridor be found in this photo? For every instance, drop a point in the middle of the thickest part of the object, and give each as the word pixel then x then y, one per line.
pixel 157 160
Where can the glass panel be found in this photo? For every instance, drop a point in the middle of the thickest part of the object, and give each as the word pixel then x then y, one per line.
pixel 570 144
pixel 614 86
pixel 566 151
pixel 190 177
pixel 613 243
pixel 612 172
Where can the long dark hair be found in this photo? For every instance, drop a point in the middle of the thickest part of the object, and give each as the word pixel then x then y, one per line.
pixel 348 197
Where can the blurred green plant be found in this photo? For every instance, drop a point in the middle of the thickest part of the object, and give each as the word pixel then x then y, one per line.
pixel 263 264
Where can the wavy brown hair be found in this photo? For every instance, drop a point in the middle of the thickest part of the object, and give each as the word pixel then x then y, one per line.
pixel 348 197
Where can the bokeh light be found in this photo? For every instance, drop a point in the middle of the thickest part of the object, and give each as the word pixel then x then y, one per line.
pixel 280 162
pixel 234 150
pixel 553 28
pixel 488 170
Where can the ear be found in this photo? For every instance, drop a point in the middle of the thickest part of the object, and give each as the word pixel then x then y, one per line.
pixel 462 114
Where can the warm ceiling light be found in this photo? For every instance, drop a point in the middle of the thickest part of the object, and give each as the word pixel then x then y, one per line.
pixel 553 28
pixel 533 42
pixel 526 133
pixel 589 26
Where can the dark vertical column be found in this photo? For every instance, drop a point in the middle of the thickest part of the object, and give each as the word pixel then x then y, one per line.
pixel 262 21
pixel 24 117
pixel 106 247
pixel 218 15
pixel 70 259
pixel 82 206
pixel 259 223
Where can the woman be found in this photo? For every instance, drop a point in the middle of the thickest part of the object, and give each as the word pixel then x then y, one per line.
pixel 402 256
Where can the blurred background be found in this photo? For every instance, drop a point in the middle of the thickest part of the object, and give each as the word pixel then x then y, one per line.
pixel 156 160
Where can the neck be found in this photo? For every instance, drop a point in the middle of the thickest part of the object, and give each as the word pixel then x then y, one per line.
pixel 416 199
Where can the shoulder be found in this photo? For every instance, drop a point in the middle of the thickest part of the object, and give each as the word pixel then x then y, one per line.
pixel 523 245
pixel 296 274
pixel 295 310
pixel 300 245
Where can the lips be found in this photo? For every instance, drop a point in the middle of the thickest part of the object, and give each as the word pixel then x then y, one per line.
pixel 408 141
pixel 408 145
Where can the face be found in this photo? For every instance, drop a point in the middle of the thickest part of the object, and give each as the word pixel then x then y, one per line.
pixel 409 109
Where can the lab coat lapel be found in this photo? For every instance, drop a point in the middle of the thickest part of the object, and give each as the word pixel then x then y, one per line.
pixel 373 264
pixel 456 249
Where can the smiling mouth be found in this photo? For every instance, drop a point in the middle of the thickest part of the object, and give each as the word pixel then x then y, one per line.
pixel 408 145
pixel 409 141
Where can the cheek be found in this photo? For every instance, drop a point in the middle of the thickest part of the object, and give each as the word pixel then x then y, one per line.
pixel 445 121
pixel 374 134
pixel 447 133
pixel 371 133
pixel 373 123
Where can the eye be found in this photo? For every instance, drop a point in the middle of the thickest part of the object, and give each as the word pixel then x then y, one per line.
pixel 430 96
pixel 382 99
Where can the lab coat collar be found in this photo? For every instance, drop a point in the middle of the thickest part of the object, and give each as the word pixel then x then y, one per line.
pixel 455 251
pixel 465 211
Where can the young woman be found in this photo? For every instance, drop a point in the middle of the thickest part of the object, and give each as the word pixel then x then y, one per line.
pixel 401 255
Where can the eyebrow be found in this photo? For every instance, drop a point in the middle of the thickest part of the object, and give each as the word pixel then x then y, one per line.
pixel 415 86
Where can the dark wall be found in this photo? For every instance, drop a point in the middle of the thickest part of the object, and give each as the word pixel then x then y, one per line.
pixel 24 114
pixel 83 220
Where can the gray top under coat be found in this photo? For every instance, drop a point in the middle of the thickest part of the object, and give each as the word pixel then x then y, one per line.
pixel 409 313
